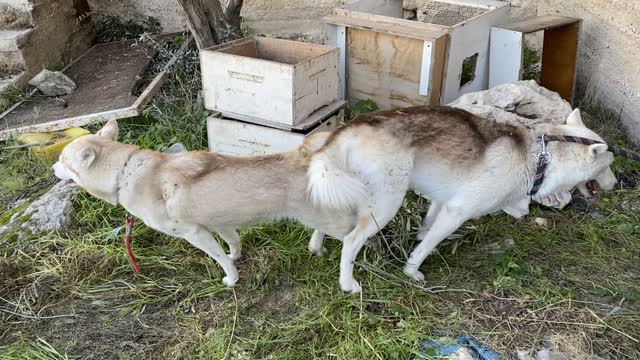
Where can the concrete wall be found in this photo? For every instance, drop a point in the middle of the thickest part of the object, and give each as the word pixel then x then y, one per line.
pixel 57 36
pixel 295 19
pixel 168 12
pixel 608 55
pixel 20 5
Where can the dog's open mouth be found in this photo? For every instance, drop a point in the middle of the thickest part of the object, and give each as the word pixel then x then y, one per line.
pixel 69 181
pixel 592 188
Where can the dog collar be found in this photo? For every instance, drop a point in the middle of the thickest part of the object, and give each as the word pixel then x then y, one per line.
pixel 543 156
pixel 119 177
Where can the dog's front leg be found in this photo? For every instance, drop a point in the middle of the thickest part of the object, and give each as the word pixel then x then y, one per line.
pixel 230 236
pixel 203 240
pixel 518 209
pixel 447 221
pixel 315 244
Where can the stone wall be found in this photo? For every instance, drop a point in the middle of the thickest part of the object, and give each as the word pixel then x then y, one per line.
pixel 57 36
pixel 608 61
pixel 168 12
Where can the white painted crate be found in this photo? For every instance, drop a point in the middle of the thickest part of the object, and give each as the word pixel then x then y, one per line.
pixel 233 137
pixel 400 62
pixel 264 80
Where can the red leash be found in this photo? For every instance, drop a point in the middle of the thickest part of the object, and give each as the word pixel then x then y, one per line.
pixel 127 242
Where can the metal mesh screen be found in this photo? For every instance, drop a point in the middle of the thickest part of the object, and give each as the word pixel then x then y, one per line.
pixel 442 13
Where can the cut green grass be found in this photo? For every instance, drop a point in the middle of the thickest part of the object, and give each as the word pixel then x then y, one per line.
pixel 74 294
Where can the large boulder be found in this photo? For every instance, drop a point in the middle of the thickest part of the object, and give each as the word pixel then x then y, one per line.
pixel 522 103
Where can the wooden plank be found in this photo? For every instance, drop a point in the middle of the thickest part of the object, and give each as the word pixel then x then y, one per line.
pixel 385 68
pixel 387 25
pixel 505 56
pixel 289 51
pixel 540 23
pixel 247 48
pixel 316 83
pixel 312 120
pixel 341 41
pixel 71 122
pixel 559 60
pixel 437 70
pixel 237 138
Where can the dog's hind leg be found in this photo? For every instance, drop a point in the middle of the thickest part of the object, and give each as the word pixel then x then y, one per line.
pixel 203 240
pixel 368 224
pixel 448 220
pixel 315 244
pixel 434 209
pixel 230 236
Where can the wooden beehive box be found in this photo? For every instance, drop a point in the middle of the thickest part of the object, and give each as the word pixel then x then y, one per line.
pixel 269 81
pixel 233 137
pixel 401 62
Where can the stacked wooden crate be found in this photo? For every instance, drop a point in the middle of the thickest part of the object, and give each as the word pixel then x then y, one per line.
pixel 439 55
pixel 268 94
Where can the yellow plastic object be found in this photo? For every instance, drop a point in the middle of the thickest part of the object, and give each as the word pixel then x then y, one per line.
pixel 50 145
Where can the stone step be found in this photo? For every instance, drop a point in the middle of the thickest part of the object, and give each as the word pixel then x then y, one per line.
pixel 12 40
pixel 11 43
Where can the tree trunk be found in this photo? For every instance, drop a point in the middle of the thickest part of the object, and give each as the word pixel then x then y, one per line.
pixel 209 23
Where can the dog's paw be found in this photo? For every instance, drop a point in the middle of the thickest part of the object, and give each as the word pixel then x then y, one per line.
pixel 317 251
pixel 235 255
pixel 352 287
pixel 413 273
pixel 230 281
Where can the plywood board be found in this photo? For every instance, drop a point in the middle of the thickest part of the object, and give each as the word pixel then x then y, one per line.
pixel 505 64
pixel 540 23
pixel 472 37
pixel 385 68
pixel 106 76
pixel 559 60
pixel 401 27
pixel 437 70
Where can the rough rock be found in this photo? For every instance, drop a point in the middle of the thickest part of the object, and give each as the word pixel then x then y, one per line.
pixel 522 103
pixel 51 212
pixel 53 83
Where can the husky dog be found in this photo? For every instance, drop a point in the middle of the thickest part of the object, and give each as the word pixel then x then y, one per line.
pixel 467 166
pixel 191 194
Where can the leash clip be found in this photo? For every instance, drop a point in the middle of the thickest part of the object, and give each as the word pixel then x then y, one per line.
pixel 543 153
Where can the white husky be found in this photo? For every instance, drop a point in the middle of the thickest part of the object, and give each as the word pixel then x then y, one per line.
pixel 467 166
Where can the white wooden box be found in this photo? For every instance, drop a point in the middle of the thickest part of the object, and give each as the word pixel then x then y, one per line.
pixel 233 137
pixel 265 80
pixel 401 62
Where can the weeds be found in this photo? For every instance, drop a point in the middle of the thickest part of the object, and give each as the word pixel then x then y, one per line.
pixel 114 28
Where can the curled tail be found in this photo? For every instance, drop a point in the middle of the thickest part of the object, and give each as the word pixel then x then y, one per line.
pixel 330 185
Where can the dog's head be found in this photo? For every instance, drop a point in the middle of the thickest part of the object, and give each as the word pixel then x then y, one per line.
pixel 93 162
pixel 576 165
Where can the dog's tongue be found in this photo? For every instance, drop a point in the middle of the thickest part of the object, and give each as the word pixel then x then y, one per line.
pixel 593 191
pixel 68 181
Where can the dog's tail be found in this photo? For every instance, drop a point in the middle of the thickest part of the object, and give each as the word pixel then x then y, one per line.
pixel 330 184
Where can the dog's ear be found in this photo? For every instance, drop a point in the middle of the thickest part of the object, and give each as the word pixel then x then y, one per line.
pixel 109 130
pixel 597 149
pixel 575 119
pixel 86 156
